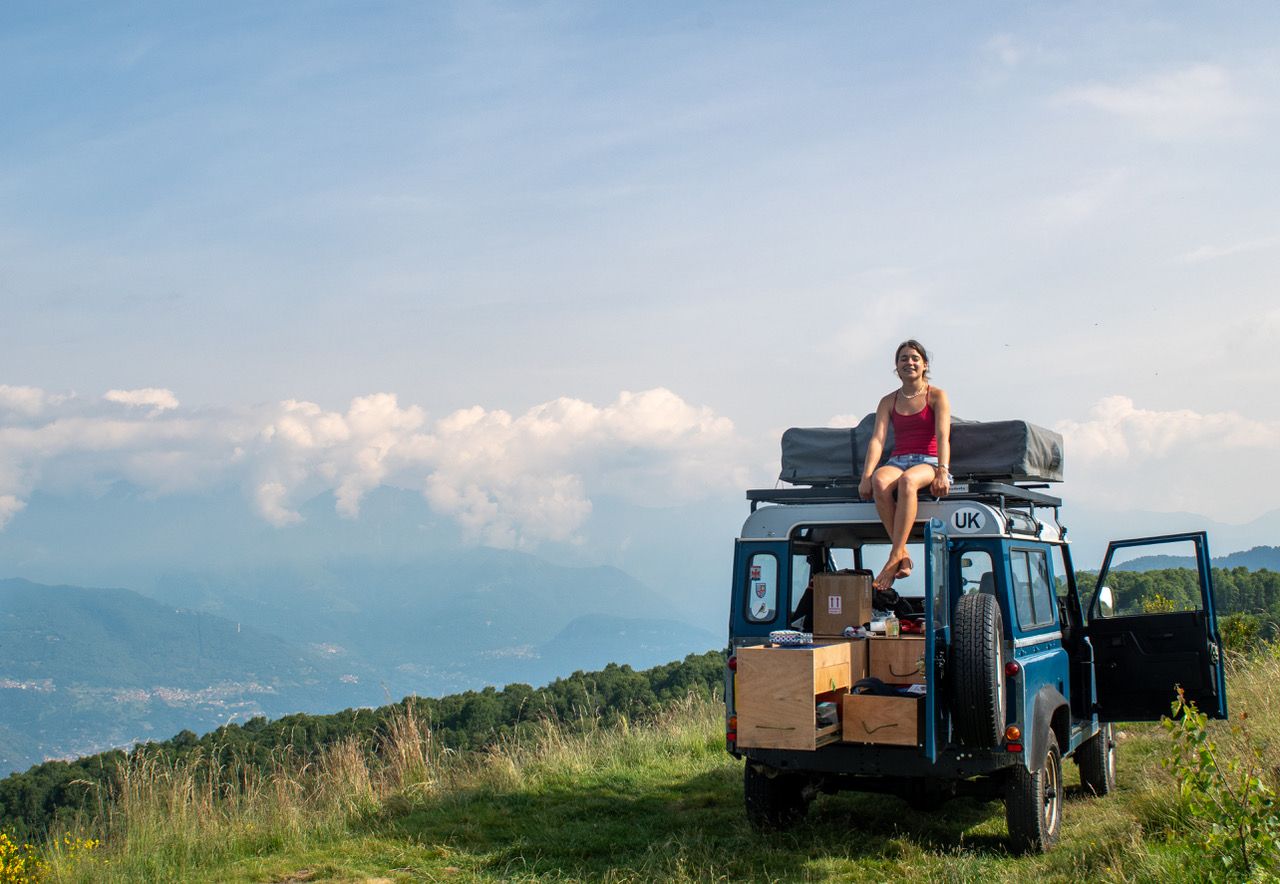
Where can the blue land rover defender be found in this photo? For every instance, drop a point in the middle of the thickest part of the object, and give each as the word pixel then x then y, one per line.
pixel 1015 669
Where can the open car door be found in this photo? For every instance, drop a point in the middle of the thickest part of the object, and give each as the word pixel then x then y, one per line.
pixel 937 622
pixel 1153 628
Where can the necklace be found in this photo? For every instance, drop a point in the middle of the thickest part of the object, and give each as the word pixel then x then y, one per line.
pixel 913 395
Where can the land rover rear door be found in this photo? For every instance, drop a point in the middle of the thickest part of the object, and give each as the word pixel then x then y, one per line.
pixel 1153 629
pixel 937 627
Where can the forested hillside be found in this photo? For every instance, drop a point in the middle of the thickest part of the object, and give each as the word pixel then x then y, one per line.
pixel 29 801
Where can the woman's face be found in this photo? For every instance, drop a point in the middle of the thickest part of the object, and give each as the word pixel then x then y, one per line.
pixel 911 364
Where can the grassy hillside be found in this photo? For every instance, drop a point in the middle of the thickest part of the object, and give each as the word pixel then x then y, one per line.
pixel 659 801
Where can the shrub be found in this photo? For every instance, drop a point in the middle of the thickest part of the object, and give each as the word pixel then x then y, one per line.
pixel 19 863
pixel 1239 811
pixel 1241 632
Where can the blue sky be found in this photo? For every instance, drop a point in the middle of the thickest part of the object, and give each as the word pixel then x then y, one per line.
pixel 658 233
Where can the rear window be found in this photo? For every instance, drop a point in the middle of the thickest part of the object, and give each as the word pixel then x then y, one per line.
pixel 762 588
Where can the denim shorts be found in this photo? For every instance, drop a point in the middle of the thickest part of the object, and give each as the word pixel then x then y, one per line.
pixel 905 462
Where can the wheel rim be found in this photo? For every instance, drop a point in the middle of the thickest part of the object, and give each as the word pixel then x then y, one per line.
pixel 1052 793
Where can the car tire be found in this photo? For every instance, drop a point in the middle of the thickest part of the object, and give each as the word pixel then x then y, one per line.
pixel 774 801
pixel 976 671
pixel 1096 759
pixel 1033 803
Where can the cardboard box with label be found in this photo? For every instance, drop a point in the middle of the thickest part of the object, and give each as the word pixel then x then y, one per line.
pixel 840 600
pixel 893 721
pixel 898 660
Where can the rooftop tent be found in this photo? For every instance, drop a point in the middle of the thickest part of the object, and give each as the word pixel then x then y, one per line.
pixel 988 450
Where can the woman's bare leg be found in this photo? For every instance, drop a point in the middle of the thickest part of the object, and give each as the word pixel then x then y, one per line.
pixel 908 486
pixel 884 485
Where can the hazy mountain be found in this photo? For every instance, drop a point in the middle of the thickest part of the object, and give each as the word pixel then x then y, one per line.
pixel 85 669
pixel 1255 559
pixel 1089 531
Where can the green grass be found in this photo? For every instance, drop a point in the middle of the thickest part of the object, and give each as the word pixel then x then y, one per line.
pixel 658 802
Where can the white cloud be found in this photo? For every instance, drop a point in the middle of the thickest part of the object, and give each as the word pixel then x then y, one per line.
pixel 1083 202
pixel 9 507
pixel 24 400
pixel 1125 457
pixel 509 480
pixel 1201 99
pixel 1210 253
pixel 1006 49
pixel 519 480
pixel 160 400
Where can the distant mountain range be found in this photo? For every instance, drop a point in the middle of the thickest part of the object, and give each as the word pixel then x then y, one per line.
pixel 82 670
pixel 1255 559
pixel 86 669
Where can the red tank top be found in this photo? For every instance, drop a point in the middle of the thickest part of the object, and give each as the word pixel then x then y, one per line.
pixel 914 433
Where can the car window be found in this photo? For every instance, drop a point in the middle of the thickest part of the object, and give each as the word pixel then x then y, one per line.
pixel 762 587
pixel 1032 594
pixel 976 571
pixel 1159 578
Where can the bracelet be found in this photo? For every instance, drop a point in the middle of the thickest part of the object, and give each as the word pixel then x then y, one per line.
pixel 942 466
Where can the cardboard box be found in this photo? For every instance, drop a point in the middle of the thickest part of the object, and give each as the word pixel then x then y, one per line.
pixel 777 690
pixel 840 600
pixel 897 660
pixel 892 721
pixel 857 653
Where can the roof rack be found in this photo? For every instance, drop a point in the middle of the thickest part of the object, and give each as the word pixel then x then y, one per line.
pixel 1016 503
pixel 1002 494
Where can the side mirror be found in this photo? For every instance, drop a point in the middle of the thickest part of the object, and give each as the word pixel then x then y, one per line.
pixel 1106 602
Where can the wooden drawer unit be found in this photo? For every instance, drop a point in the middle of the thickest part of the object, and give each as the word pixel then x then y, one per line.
pixel 897 660
pixel 893 721
pixel 777 691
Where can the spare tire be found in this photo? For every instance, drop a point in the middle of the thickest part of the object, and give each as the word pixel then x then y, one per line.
pixel 977 671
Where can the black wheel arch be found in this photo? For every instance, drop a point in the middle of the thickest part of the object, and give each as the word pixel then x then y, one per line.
pixel 1050 711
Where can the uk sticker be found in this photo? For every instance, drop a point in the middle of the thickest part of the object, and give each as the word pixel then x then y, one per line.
pixel 835 604
pixel 968 520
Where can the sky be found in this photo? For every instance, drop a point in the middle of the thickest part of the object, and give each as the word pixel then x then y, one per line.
pixel 521 255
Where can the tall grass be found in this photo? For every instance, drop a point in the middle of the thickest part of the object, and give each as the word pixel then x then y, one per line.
pixel 167 819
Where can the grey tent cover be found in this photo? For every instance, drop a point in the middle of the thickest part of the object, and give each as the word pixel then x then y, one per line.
pixel 1010 450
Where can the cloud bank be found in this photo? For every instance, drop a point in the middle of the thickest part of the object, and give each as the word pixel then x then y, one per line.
pixel 518 480
pixel 1125 457
pixel 509 480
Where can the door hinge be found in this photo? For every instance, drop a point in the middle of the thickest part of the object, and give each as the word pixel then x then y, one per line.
pixel 1213 653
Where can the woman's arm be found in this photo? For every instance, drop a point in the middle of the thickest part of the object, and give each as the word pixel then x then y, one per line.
pixel 875 447
pixel 942 427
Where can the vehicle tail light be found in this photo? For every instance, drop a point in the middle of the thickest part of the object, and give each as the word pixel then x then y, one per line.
pixel 1013 733
pixel 731 732
pixel 1013 747
pixel 1012 668
pixel 733 663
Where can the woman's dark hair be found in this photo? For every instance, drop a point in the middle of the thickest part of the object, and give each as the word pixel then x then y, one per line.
pixel 919 348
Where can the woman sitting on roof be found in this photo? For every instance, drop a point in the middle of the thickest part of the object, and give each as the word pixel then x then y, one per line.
pixel 921 417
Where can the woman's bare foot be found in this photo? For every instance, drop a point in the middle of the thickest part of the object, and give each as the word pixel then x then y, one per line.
pixel 904 567
pixel 890 572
